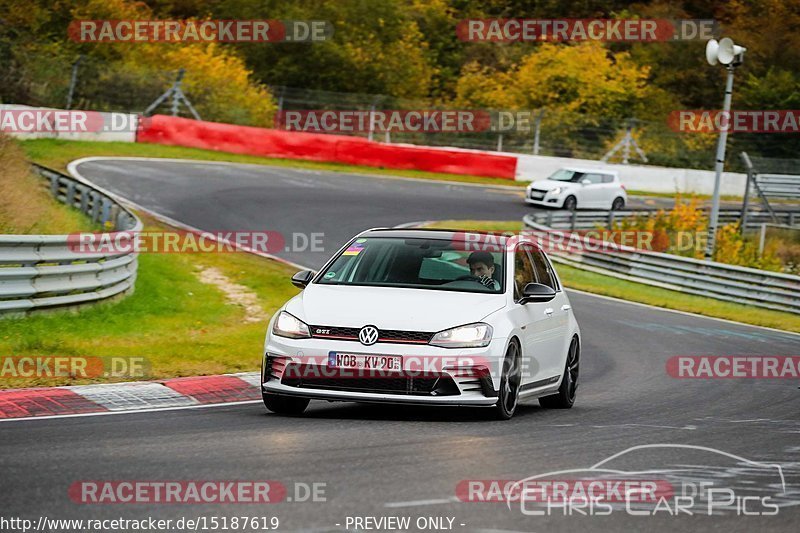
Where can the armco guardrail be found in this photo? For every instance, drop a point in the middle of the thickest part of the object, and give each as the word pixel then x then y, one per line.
pixel 759 288
pixel 592 219
pixel 44 271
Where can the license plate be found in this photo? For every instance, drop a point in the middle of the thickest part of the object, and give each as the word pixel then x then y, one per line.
pixel 537 195
pixel 365 361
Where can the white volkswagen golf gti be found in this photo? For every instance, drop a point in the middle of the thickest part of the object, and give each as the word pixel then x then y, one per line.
pixel 425 317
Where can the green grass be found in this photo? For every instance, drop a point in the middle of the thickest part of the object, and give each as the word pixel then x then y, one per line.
pixel 57 153
pixel 26 205
pixel 181 326
pixel 593 282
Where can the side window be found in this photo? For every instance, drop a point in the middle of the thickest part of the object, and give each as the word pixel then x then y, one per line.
pixel 608 179
pixel 543 270
pixel 594 178
pixel 523 271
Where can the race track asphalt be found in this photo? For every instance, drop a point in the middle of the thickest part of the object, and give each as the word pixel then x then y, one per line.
pixel 400 461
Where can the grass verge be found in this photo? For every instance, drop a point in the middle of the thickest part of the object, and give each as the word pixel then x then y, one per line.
pixel 575 278
pixel 178 324
pixel 26 205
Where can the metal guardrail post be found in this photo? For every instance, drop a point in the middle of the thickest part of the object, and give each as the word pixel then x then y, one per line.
pixel 70 194
pixel 84 199
pixel 105 210
pixel 95 213
pixel 573 219
pixel 746 200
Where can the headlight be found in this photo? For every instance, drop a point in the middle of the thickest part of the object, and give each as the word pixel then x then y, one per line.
pixel 287 325
pixel 557 190
pixel 469 336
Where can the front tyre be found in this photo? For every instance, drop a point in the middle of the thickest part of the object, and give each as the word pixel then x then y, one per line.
pixel 509 383
pixel 284 405
pixel 565 397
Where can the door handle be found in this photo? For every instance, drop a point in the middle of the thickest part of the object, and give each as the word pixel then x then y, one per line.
pixel 549 311
pixel 566 307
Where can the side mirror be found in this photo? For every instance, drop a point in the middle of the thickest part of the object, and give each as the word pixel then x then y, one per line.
pixel 536 292
pixel 302 278
pixel 586 181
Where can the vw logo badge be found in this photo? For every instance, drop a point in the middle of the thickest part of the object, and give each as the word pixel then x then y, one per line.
pixel 368 335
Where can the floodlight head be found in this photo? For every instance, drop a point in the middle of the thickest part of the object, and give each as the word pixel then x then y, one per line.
pixel 729 52
pixel 712 47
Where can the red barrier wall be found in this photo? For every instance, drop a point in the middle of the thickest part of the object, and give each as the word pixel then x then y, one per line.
pixel 162 129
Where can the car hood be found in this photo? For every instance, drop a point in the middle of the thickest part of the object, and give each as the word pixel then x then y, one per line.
pixel 391 307
pixel 551 184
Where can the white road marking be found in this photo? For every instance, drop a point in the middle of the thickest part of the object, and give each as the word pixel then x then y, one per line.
pixel 138 411
pixel 418 503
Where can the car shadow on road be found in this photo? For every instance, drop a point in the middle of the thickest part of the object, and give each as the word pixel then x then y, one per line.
pixel 412 413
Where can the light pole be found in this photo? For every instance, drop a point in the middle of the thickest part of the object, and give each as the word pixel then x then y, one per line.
pixel 731 56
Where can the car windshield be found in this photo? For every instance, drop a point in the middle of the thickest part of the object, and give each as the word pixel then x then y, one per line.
pixel 417 263
pixel 566 175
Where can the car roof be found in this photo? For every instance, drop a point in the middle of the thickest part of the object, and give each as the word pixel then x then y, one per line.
pixel 442 234
pixel 428 233
pixel 591 170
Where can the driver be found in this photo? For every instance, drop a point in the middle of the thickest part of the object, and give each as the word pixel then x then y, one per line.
pixel 481 266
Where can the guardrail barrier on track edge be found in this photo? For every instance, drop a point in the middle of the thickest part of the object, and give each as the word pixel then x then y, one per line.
pixel 39 272
pixel 749 286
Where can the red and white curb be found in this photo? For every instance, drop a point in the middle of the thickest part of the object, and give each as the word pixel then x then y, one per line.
pixel 174 393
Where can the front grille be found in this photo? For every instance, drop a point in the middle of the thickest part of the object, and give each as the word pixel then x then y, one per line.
pixel 384 335
pixel 310 377
pixel 538 194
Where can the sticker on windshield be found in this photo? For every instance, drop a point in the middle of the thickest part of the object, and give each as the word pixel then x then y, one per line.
pixel 330 275
pixel 354 249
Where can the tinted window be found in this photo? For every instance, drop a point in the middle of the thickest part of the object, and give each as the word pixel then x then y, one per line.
pixel 594 178
pixel 543 270
pixel 414 263
pixel 523 271
pixel 566 175
pixel 608 179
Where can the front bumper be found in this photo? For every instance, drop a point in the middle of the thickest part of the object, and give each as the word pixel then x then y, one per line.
pixel 546 199
pixel 468 376
pixel 465 399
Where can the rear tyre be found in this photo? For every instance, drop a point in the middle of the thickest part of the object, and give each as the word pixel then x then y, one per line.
pixel 617 204
pixel 284 405
pixel 510 379
pixel 570 203
pixel 565 397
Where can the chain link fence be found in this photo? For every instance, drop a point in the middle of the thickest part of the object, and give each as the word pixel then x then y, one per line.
pixel 92 83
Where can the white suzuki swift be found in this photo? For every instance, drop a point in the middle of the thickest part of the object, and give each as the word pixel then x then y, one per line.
pixel 573 188
pixel 425 317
